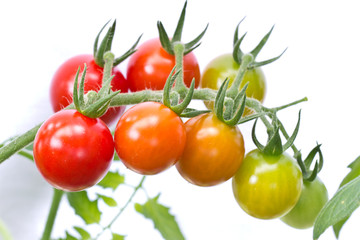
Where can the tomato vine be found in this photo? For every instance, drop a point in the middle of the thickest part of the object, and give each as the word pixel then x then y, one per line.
pixel 267 172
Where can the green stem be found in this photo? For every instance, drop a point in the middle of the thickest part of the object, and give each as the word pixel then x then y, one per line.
pixel 52 214
pixel 107 72
pixel 121 99
pixel 247 59
pixel 179 59
pixel 125 206
pixel 18 143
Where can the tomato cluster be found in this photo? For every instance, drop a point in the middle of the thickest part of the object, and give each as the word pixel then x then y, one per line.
pixel 73 151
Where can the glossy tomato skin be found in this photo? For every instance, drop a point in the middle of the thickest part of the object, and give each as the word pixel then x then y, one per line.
pixel 72 151
pixel 266 186
pixel 149 138
pixel 61 88
pixel 313 197
pixel 223 67
pixel 213 151
pixel 150 66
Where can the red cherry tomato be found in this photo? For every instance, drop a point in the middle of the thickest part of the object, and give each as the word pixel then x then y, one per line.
pixel 150 66
pixel 149 138
pixel 213 151
pixel 72 151
pixel 61 88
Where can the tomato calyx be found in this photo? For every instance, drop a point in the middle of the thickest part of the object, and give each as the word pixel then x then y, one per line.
pixel 105 46
pixel 274 144
pixel 305 165
pixel 238 53
pixel 168 44
pixel 172 99
pixel 94 104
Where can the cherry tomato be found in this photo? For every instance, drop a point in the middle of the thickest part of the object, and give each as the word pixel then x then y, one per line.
pixel 313 197
pixel 72 151
pixel 267 186
pixel 61 88
pixel 150 66
pixel 223 67
pixel 213 151
pixel 149 138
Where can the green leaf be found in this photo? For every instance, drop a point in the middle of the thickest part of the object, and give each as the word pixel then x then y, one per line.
pixel 341 206
pixel 68 237
pixel 162 219
pixel 83 233
pixel 116 236
pixel 355 172
pixel 112 180
pixel 108 200
pixel 86 209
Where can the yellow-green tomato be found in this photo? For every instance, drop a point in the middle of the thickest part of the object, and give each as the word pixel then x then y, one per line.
pixel 223 67
pixel 313 197
pixel 267 186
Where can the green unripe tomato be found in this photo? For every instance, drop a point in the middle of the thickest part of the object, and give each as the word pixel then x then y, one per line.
pixel 223 67
pixel 313 197
pixel 267 186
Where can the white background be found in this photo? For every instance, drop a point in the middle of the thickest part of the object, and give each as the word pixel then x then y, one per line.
pixel 322 63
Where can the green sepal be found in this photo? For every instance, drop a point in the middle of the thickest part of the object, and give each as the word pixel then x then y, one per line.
pixel 190 112
pixel 190 46
pixel 274 145
pixel 238 108
pixel 305 166
pixel 250 117
pixel 291 139
pixel 261 44
pixel 180 25
pixel 262 63
pixel 179 108
pixel 220 99
pixel 105 46
pixel 168 86
pixel 99 108
pixel 168 44
pixel 254 138
pixel 128 53
pixel 164 39
pixel 78 94
pixel 238 53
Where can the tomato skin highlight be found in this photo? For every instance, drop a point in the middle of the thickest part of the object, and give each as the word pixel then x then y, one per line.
pixel 213 151
pixel 61 88
pixel 150 66
pixel 267 187
pixel 149 138
pixel 224 66
pixel 72 151
pixel 313 197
